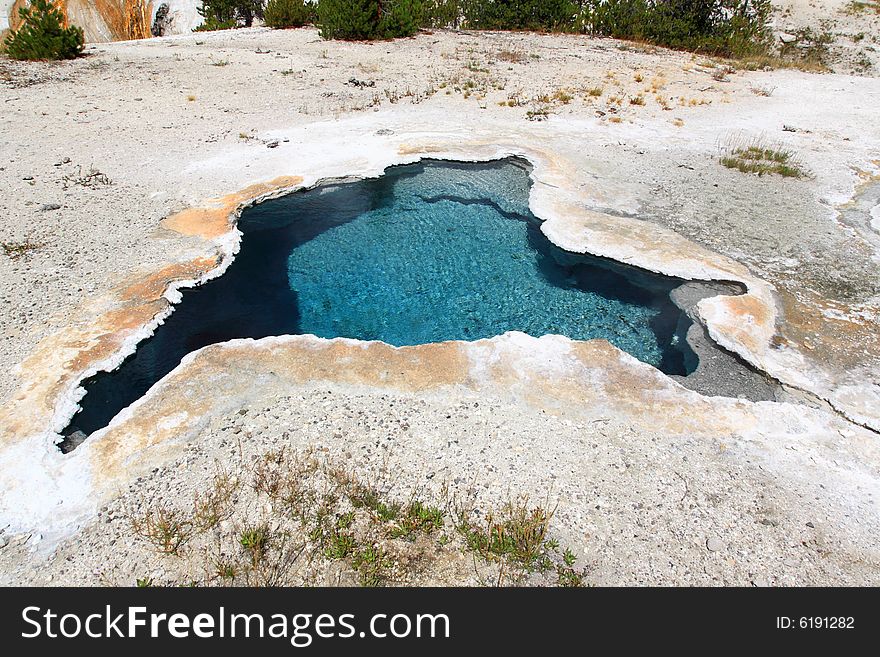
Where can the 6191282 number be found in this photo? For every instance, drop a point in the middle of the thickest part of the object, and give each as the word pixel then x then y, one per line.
pixel 816 622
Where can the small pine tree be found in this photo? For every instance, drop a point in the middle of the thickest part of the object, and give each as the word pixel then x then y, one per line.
pixel 226 14
pixel 288 13
pixel 42 34
pixel 353 20
pixel 364 20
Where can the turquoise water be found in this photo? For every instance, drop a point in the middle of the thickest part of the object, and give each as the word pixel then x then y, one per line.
pixel 427 253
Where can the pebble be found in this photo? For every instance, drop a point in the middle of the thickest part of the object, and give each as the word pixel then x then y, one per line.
pixel 714 544
pixel 48 207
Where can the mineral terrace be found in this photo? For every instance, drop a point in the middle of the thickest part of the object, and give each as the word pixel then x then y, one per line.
pixel 762 469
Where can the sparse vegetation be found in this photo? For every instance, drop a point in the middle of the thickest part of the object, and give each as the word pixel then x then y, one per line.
pixel 539 114
pixel 167 529
pixel 859 6
pixel 304 516
pixel 214 506
pixel 762 159
pixel 43 34
pixel 563 96
pixel 809 50
pixel 16 250
pixel 512 57
pixel 764 90
pixel 518 538
pixel 92 178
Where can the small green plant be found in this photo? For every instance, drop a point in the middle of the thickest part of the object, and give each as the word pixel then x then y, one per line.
pixel 341 543
pixel 516 535
pixel 762 160
pixel 387 512
pixel 226 569
pixel 282 14
pixel 567 576
pixel 475 67
pixel 43 34
pixel 144 582
pixel 417 518
pixel 255 540
pixel 372 565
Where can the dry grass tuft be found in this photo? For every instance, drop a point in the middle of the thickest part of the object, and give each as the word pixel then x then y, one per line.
pixel 16 250
pixel 860 6
pixel 512 56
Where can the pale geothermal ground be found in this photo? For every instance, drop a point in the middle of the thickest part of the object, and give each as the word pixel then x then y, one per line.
pixel 762 469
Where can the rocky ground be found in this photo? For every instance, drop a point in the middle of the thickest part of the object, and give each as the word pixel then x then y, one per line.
pixel 635 507
pixel 94 153
pixel 843 34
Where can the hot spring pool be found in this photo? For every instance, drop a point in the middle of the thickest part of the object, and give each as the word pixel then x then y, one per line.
pixel 430 252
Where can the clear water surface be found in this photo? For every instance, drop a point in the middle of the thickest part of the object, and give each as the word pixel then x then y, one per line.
pixel 430 252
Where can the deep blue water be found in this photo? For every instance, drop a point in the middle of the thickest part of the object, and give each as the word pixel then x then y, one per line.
pixel 430 252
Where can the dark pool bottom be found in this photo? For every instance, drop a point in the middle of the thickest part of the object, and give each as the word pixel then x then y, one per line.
pixel 430 252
